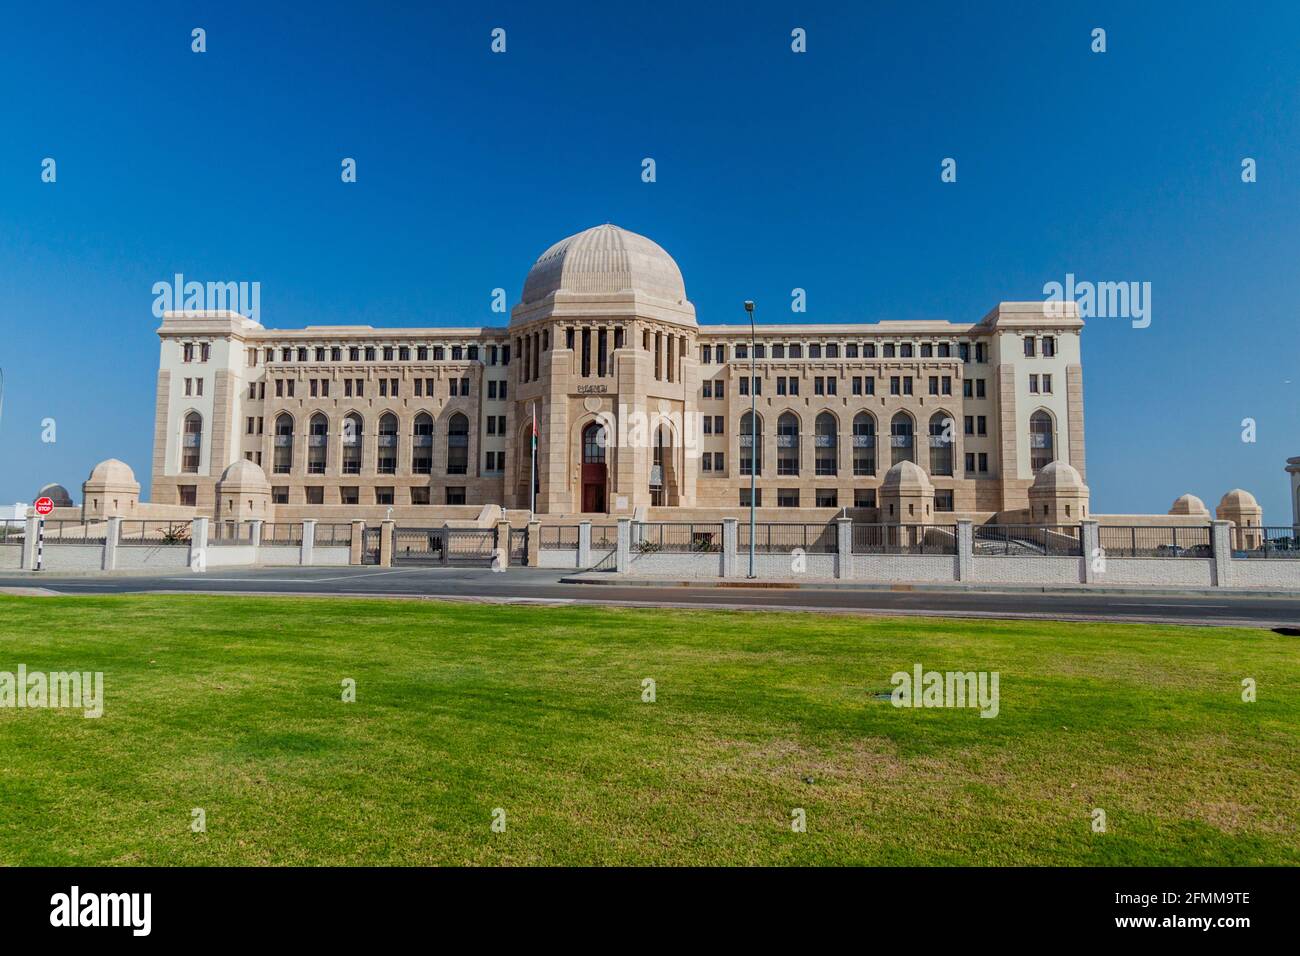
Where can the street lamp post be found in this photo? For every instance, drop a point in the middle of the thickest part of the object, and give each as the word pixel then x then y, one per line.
pixel 753 428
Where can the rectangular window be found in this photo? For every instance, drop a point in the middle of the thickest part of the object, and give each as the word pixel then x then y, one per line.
pixel 280 495
pixel 857 385
pixel 1047 383
pixel 979 388
pixel 819 385
pixel 927 350
pixel 832 385
pixel 905 350
pixel 943 499
pixel 455 495
pixel 981 425
pixel 832 350
pixel 984 462
pixel 1033 384
pixel 1049 346
pixel 888 350
pixel 717 461
pixel 707 389
pixel 968 388
pixel 187 352
pixel 947 385
pixel 895 385
pixel 189 494
pixel 744 385
pixel 970 463
pixel 814 352
pixel 787 497
pixel 980 355
pixel 383 388
pixel 1029 346
pixel 780 385
pixel 744 497
pixel 349 495
pixel 420 496
pixel 969 425
pixel 907 385
pixel 827 498
pixel 869 385
pixel 934 384
pixel 315 494
pixel 384 496
pixel 198 386
pixel 290 386
pixel 864 497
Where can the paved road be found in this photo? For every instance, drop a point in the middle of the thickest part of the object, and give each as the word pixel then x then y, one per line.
pixel 545 586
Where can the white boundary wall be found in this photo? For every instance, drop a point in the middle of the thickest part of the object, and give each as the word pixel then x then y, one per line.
pixel 1221 570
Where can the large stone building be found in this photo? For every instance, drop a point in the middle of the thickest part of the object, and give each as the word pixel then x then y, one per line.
pixel 639 407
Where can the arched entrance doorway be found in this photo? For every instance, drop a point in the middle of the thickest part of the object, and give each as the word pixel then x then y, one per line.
pixel 594 471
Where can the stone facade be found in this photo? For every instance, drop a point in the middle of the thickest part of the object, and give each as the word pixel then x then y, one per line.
pixel 637 405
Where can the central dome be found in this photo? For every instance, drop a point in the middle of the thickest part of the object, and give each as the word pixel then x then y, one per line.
pixel 605 260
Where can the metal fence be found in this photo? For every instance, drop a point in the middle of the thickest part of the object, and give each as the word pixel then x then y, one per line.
pixel 1021 540
pixel 75 532
pixel 1267 543
pixel 780 538
pixel 336 535
pixel 285 533
pixel 155 533
pixel 13 531
pixel 222 533
pixel 679 538
pixel 604 537
pixel 559 537
pixel 904 539
pixel 1155 542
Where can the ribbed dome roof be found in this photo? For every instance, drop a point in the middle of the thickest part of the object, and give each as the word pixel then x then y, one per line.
pixel 1188 505
pixel 1238 498
pixel 244 473
pixel 1058 476
pixel 907 476
pixel 56 493
pixel 112 472
pixel 605 259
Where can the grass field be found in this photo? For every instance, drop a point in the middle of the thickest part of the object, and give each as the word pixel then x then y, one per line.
pixel 233 705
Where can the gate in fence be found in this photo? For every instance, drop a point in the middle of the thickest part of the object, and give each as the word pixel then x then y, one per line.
pixel 370 546
pixel 474 547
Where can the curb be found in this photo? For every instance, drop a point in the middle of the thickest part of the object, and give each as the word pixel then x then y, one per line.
pixel 832 585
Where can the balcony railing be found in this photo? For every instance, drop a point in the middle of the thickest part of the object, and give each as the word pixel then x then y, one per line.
pixel 387 441
pixel 283 441
pixel 900 441
pixel 422 441
pixel 824 441
pixel 864 441
pixel 787 441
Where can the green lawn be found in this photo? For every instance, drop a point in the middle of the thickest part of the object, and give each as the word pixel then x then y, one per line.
pixel 233 705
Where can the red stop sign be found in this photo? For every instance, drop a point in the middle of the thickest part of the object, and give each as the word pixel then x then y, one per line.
pixel 44 505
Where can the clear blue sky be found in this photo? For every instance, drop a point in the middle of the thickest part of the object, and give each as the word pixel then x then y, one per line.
pixel 775 170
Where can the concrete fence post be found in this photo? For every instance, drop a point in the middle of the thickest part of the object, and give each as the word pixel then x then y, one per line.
pixel 502 557
pixel 255 535
pixel 965 549
pixel 844 547
pixel 29 542
pixel 584 544
pixel 622 557
pixel 729 540
pixel 1090 544
pixel 358 541
pixel 1221 539
pixel 307 555
pixel 110 543
pixel 446 544
pixel 385 542
pixel 534 544
pixel 199 544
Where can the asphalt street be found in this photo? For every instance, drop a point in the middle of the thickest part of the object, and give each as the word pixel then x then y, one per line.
pixel 537 585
